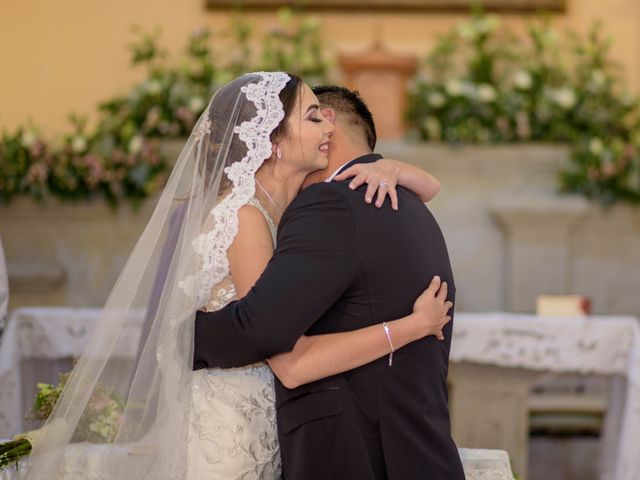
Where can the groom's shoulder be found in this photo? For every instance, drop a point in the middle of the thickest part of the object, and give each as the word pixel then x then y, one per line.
pixel 319 206
pixel 320 193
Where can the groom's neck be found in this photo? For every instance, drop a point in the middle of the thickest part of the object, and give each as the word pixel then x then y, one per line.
pixel 339 155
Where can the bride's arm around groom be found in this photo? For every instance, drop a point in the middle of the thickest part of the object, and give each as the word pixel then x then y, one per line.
pixel 314 264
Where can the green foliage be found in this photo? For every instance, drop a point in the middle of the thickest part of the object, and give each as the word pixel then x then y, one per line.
pixel 86 165
pixel 482 85
pixel 295 46
pixel 25 162
pixel 47 397
pixel 119 159
pixel 100 420
pixel 11 452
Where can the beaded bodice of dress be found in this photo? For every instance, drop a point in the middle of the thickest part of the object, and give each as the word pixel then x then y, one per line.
pixel 225 291
pixel 272 225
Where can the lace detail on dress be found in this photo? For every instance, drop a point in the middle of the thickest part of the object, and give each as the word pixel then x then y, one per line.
pixel 211 247
pixel 233 432
pixel 233 425
pixel 224 293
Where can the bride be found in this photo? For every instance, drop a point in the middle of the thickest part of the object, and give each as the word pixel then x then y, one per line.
pixel 207 242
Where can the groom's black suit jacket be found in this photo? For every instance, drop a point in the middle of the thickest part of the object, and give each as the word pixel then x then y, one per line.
pixel 341 264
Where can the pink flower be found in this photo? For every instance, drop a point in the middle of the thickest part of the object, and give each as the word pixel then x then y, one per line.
pixel 185 115
pixel 118 157
pixel 523 128
pixel 199 32
pixel 608 170
pixel 37 149
pixel 132 160
pixel 119 174
pixel 502 123
pixel 38 173
pixel 96 170
pixel 150 154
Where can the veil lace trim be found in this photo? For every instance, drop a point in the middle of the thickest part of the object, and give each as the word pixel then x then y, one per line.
pixel 211 247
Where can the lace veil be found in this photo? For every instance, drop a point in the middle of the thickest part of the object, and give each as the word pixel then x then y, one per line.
pixel 124 412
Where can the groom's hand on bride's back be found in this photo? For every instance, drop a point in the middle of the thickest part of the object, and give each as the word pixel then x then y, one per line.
pixel 431 309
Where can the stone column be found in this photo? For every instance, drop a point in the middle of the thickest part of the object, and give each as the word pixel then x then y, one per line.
pixel 490 409
pixel 381 78
pixel 537 233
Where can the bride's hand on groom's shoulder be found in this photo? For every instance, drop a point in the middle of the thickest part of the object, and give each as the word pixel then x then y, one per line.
pixel 431 309
pixel 384 175
pixel 380 176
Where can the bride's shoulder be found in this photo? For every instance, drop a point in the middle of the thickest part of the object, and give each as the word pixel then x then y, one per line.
pixel 250 216
pixel 253 231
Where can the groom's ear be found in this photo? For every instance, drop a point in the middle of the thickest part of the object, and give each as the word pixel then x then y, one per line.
pixel 329 114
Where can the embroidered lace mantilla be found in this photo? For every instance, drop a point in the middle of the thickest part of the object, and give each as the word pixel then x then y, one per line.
pixel 211 247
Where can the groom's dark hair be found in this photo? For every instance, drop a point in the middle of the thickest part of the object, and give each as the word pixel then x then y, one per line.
pixel 349 103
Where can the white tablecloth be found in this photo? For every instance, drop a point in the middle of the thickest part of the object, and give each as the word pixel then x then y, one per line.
pixel 607 345
pixel 591 345
pixel 478 464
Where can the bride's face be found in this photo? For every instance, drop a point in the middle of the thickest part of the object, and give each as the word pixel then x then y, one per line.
pixel 305 145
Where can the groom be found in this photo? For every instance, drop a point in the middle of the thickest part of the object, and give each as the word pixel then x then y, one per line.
pixel 341 264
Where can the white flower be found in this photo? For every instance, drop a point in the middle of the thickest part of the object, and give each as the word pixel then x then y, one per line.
pixel 153 117
pixel 433 128
pixel 550 36
pixel 454 87
pixel 78 144
pixel 486 93
pixel 596 147
pixel 522 80
pixel 153 87
pixel 471 30
pixel 196 104
pixel 565 97
pixel 422 77
pixel 487 24
pixel 28 138
pixel 597 80
pixel 469 89
pixel 467 31
pixel 436 99
pixel 135 144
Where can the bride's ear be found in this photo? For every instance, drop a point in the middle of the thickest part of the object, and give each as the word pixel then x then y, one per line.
pixel 329 114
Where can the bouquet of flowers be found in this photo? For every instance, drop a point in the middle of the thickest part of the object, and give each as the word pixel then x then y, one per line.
pixel 99 423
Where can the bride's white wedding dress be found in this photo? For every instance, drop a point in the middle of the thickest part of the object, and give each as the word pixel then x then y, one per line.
pixel 232 426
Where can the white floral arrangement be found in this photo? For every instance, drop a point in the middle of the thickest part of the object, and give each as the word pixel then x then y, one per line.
pixel 480 84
